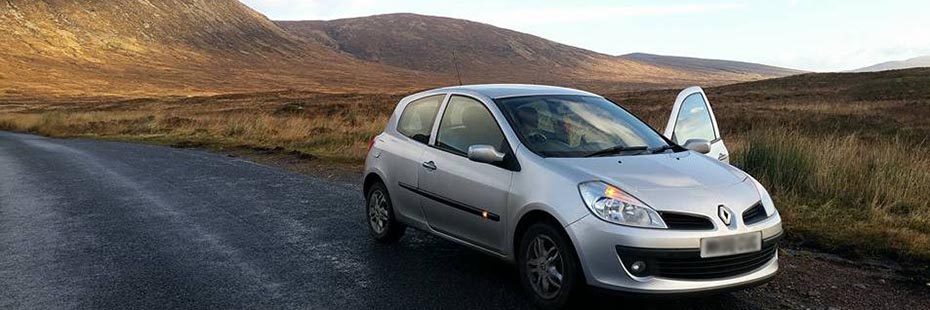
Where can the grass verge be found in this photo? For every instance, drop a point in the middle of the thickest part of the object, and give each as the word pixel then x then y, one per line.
pixel 844 193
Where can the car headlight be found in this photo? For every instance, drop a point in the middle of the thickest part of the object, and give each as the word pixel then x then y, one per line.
pixel 767 202
pixel 616 206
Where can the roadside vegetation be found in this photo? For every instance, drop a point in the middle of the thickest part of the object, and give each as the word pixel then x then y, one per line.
pixel 844 194
pixel 334 128
pixel 845 156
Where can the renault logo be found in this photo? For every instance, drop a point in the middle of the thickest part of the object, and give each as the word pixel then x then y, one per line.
pixel 724 214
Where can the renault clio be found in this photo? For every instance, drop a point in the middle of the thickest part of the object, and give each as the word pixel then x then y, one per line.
pixel 574 189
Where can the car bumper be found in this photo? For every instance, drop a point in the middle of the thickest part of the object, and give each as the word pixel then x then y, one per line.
pixel 602 248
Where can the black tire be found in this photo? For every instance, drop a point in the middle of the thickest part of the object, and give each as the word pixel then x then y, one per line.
pixel 571 274
pixel 391 231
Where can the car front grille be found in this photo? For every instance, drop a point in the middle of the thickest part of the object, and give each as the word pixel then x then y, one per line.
pixel 754 214
pixel 679 221
pixel 687 264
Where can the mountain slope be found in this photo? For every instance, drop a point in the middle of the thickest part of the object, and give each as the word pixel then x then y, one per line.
pixel 486 53
pixel 200 47
pixel 403 39
pixel 917 62
pixel 712 66
pixel 173 46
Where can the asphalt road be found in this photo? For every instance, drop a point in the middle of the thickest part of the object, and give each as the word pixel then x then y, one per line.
pixel 95 224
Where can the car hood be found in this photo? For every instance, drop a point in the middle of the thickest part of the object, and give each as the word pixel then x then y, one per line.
pixel 660 171
pixel 684 181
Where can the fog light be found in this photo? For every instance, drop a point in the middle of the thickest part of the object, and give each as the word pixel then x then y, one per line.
pixel 638 267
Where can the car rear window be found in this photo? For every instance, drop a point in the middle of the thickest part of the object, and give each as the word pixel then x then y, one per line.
pixel 417 119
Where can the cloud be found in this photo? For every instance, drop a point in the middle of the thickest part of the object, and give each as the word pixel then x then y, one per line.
pixel 547 15
pixel 856 49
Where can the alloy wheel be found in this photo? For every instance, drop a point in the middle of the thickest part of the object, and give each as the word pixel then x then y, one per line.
pixel 378 211
pixel 544 267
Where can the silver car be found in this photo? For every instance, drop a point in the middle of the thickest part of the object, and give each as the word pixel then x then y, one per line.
pixel 574 189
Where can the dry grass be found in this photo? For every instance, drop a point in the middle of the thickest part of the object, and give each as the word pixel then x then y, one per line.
pixel 843 193
pixel 335 139
pixel 333 128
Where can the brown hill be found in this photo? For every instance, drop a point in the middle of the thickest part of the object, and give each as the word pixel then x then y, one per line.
pixel 916 62
pixel 201 47
pixel 713 66
pixel 126 47
pixel 490 54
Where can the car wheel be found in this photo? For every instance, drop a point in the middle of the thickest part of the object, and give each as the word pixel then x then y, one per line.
pixel 549 270
pixel 380 214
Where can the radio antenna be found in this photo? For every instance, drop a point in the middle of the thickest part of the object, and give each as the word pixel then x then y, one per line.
pixel 455 64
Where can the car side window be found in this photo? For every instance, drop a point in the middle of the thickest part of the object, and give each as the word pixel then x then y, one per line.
pixel 467 122
pixel 417 119
pixel 694 120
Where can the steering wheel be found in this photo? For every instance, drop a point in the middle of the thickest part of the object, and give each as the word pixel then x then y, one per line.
pixel 537 137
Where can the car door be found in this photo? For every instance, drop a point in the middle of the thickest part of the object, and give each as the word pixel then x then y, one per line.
pixel 693 118
pixel 465 199
pixel 403 150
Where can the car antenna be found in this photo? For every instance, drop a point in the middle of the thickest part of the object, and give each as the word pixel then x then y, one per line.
pixel 455 64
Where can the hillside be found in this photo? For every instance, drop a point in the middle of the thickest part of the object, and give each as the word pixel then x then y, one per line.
pixel 869 104
pixel 144 48
pixel 923 61
pixel 712 66
pixel 166 46
pixel 488 54
pixel 908 85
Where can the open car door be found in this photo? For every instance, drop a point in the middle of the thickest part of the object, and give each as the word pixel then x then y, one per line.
pixel 693 118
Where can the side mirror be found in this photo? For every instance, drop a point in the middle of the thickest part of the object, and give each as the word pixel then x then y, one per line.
pixel 698 145
pixel 483 153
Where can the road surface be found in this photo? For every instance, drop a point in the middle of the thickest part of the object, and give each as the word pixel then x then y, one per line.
pixel 96 224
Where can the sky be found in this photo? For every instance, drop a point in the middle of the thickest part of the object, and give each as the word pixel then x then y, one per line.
pixel 827 35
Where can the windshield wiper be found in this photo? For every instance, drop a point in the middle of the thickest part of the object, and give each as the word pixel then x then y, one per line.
pixel 662 149
pixel 617 149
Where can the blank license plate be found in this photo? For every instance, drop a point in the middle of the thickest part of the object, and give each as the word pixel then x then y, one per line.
pixel 731 245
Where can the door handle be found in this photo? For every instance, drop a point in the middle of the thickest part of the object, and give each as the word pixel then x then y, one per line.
pixel 429 165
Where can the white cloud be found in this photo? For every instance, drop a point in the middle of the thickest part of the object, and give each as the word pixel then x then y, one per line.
pixel 548 15
pixel 855 49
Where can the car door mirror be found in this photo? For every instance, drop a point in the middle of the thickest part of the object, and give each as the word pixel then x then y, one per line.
pixel 483 153
pixel 698 145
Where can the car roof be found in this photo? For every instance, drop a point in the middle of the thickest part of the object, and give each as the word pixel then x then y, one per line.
pixel 496 91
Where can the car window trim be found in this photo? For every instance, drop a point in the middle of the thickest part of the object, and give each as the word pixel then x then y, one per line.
pixel 435 141
pixel 709 116
pixel 434 136
pixel 435 118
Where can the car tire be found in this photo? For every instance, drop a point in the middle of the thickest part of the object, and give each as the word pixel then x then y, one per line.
pixel 538 277
pixel 379 214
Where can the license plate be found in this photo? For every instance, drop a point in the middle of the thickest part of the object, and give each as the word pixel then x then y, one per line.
pixel 731 245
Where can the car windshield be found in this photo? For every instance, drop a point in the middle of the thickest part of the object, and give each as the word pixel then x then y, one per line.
pixel 578 126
